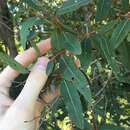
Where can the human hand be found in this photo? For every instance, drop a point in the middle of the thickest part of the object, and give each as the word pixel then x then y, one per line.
pixel 19 114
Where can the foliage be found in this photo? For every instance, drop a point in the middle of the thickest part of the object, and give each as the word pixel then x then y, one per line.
pixel 96 95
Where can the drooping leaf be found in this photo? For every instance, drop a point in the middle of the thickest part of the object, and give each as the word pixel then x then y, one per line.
pixel 24 32
pixel 35 4
pixel 50 67
pixel 56 41
pixel 65 40
pixel 58 103
pixel 72 5
pixel 73 74
pixel 105 48
pixel 125 5
pixel 72 102
pixel 85 57
pixel 103 8
pixel 120 33
pixel 112 127
pixel 87 126
pixel 12 63
pixel 124 55
pixel 128 37
pixel 108 27
pixel 25 28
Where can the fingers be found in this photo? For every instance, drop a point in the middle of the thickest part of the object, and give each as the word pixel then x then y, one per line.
pixel 5 103
pixel 33 86
pixel 47 98
pixel 26 58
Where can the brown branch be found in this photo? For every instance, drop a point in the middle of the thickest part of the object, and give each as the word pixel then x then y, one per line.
pixel 94 120
pixel 6 26
pixel 32 119
pixel 58 54
pixel 105 83
pixel 89 34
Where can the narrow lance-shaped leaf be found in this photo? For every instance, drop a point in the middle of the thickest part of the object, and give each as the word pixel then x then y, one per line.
pixel 72 102
pixel 50 67
pixel 125 4
pixel 124 53
pixel 85 57
pixel 109 54
pixel 24 31
pixel 104 46
pixel 72 5
pixel 35 4
pixel 14 64
pixel 56 41
pixel 112 127
pixel 26 25
pixel 73 74
pixel 65 40
pixel 120 33
pixel 57 104
pixel 108 27
pixel 103 8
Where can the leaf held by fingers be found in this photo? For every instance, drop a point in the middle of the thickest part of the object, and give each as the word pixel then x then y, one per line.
pixel 50 67
pixel 13 63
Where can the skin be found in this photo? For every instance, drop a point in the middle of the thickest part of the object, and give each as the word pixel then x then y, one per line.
pixel 19 114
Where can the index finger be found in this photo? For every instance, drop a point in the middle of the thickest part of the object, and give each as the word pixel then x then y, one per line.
pixel 26 58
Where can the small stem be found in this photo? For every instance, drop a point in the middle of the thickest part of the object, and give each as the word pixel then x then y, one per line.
pixel 94 120
pixel 87 35
pixel 58 54
pixel 32 119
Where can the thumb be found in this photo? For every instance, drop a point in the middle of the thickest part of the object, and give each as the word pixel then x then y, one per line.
pixel 34 84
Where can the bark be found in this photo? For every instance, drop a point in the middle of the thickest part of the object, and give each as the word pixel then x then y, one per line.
pixel 6 28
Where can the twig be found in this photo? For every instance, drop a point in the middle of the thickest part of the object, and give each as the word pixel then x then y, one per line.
pixel 95 123
pixel 105 84
pixel 99 100
pixel 93 62
pixel 6 26
pixel 32 119
pixel 88 34
pixel 58 54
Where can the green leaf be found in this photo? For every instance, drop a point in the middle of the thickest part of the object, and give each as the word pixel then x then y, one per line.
pixel 120 33
pixel 103 9
pixel 112 127
pixel 65 40
pixel 56 41
pixel 56 104
pixel 50 67
pixel 85 57
pixel 26 25
pixel 73 74
pixel 72 5
pixel 72 102
pixel 14 64
pixel 24 31
pixel 35 4
pixel 87 126
pixel 125 5
pixel 124 55
pixel 104 46
pixel 128 37
pixel 108 27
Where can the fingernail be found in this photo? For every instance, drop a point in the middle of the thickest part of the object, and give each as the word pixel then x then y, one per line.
pixel 42 62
